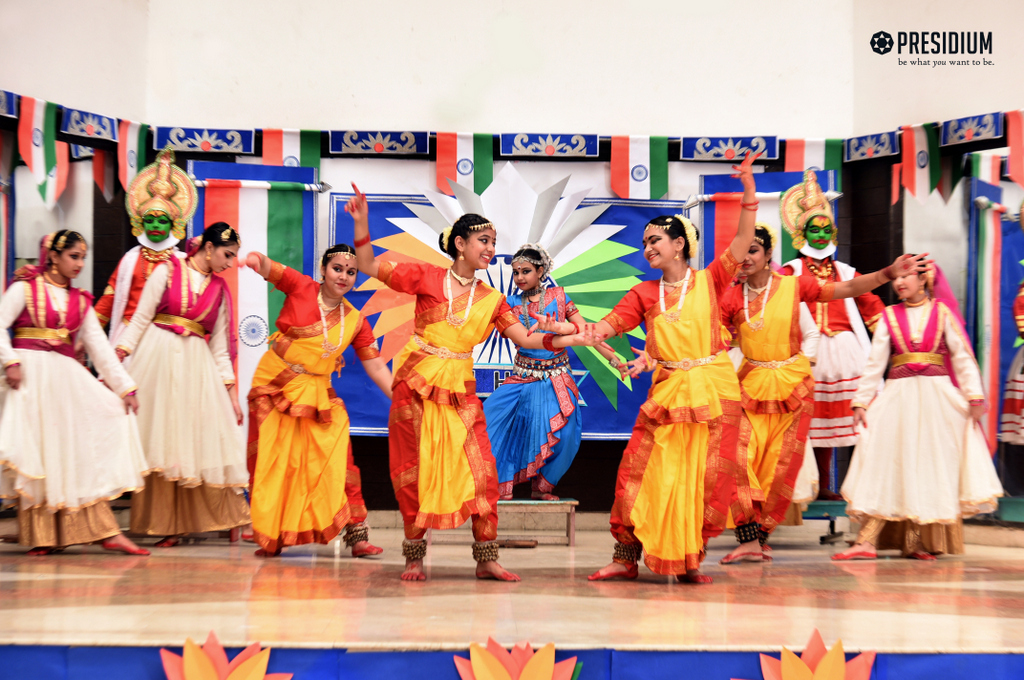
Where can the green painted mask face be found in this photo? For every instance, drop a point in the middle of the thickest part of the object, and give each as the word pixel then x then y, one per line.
pixel 157 226
pixel 818 233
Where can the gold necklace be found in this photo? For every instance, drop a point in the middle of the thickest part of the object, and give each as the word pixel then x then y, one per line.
pixel 759 324
pixel 451 318
pixel 672 317
pixel 922 322
pixel 328 347
pixel 463 280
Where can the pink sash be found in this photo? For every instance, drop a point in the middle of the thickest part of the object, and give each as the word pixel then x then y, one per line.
pixel 181 302
pixel 39 313
pixel 932 342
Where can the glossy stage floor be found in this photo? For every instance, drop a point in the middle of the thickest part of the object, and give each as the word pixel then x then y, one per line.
pixel 319 598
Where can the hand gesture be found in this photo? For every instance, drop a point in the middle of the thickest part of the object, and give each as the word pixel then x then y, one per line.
pixel 131 403
pixel 745 171
pixel 356 206
pixel 619 365
pixel 638 365
pixel 588 337
pixel 13 376
pixel 860 417
pixel 253 261
pixel 546 322
pixel 911 264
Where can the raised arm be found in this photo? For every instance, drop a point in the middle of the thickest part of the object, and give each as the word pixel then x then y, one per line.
pixel 901 266
pixel 357 208
pixel 748 208
pixel 259 263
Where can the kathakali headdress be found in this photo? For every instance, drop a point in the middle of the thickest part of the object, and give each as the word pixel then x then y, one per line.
pixel 162 187
pixel 802 203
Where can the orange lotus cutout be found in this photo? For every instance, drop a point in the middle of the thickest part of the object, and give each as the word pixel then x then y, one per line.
pixel 210 662
pixel 818 663
pixel 494 663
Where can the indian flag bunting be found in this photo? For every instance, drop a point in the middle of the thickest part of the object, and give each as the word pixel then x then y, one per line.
pixel 815 154
pixel 1015 140
pixel 292 148
pixel 103 172
pixel 466 159
pixel 990 245
pixel 952 173
pixel 43 154
pixel 988 167
pixel 897 170
pixel 131 150
pixel 921 168
pixel 640 167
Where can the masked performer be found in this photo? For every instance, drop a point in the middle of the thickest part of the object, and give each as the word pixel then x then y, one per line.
pixel 157 234
pixel 844 339
pixel 182 352
pixel 440 457
pixel 922 463
pixel 68 444
pixel 677 473
pixel 305 484
pixel 775 381
pixel 533 418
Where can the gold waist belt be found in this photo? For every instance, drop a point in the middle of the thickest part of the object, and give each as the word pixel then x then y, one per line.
pixel 772 364
pixel 188 324
pixel 918 358
pixel 687 364
pixel 33 333
pixel 442 352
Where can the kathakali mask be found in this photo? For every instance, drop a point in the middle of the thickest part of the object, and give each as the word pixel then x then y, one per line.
pixel 161 199
pixel 807 215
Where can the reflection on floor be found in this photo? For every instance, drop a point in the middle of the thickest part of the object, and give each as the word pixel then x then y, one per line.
pixel 321 597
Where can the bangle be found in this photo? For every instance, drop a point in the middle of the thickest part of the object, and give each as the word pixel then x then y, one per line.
pixel 549 343
pixel 130 394
pixel 753 203
pixel 977 402
pixel 747 207
pixel 359 242
pixel 576 326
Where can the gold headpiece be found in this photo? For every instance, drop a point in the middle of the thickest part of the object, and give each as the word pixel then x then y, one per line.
pixel 802 203
pixel 689 231
pixel 544 261
pixel 772 238
pixel 447 233
pixel 162 187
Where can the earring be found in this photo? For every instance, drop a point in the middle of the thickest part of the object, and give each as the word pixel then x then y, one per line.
pixel 676 257
pixel 207 257
pixel 53 267
pixel 461 256
pixel 767 265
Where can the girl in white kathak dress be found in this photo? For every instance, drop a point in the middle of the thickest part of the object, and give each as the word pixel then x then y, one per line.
pixel 922 463
pixel 68 444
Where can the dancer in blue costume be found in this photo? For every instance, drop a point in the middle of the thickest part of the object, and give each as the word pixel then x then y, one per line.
pixel 533 418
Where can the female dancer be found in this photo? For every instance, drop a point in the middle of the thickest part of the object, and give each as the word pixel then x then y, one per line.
pixel 67 445
pixel 533 418
pixel 776 385
pixel 298 427
pixel 441 463
pixel 922 464
pixel 189 415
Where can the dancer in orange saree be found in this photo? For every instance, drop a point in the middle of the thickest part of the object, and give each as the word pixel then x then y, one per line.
pixel 305 485
pixel 441 464
pixel 676 478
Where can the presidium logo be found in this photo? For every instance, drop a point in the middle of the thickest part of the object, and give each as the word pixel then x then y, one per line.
pixel 957 44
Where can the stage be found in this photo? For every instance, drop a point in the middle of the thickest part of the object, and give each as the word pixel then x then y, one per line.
pixel 87 606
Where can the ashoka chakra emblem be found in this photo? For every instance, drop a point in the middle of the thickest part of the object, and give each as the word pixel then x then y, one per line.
pixel 252 330
pixel 290 162
pixel 922 159
pixel 464 166
pixel 639 173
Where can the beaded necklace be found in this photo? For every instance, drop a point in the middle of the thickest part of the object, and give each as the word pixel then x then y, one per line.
pixel 451 318
pixel 328 347
pixel 672 317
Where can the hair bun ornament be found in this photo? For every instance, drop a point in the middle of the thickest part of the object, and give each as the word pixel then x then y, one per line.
pixel 773 238
pixel 445 236
pixel 690 232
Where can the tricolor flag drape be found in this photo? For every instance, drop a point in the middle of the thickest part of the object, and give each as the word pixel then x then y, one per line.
pixel 292 148
pixel 131 150
pixel 43 154
pixel 815 154
pixel 103 172
pixel 465 158
pixel 1015 140
pixel 987 166
pixel 6 203
pixel 640 167
pixel 921 167
pixel 279 222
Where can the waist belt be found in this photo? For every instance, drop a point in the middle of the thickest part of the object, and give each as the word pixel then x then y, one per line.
pixel 918 358
pixel 188 324
pixel 687 364
pixel 33 333
pixel 528 367
pixel 772 364
pixel 442 352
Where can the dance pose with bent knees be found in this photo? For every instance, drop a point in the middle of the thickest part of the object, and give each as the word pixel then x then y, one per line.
pixel 306 487
pixel 440 457
pixel 68 443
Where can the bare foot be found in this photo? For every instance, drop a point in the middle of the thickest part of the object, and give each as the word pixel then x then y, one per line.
pixel 493 570
pixel 413 571
pixel 537 496
pixel 694 576
pixel 122 543
pixel 744 552
pixel 615 570
pixel 365 549
pixel 859 551
pixel 260 552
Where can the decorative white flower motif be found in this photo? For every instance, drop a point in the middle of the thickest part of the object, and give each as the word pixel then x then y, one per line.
pixel 870 146
pixel 971 129
pixel 205 140
pixel 549 146
pixel 90 125
pixel 378 142
pixel 727 149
